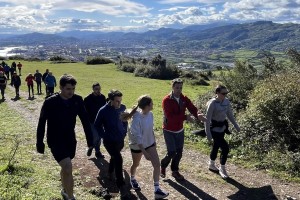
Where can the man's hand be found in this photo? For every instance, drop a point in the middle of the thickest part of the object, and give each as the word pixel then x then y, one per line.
pixel 190 118
pixel 40 148
pixel 201 117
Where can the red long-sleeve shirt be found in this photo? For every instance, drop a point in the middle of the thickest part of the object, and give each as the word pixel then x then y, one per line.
pixel 174 112
pixel 29 80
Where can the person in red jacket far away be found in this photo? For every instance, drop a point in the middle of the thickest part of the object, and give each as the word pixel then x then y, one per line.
pixel 29 79
pixel 19 65
pixel 174 106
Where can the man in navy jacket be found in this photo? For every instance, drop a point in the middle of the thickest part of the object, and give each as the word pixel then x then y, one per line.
pixel 113 131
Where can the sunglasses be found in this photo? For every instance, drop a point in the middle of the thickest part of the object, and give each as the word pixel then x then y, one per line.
pixel 224 93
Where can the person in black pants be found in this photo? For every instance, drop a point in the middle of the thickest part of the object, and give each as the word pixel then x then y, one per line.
pixel 93 102
pixel 38 79
pixel 113 131
pixel 16 82
pixel 60 111
pixel 43 79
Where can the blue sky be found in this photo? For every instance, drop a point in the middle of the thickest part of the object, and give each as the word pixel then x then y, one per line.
pixel 50 16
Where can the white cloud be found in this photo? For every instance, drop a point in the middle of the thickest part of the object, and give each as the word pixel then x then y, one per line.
pixel 189 1
pixel 142 21
pixel 173 9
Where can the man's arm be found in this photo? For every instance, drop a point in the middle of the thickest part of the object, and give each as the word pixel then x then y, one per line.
pixel 210 109
pixel 83 115
pixel 99 123
pixel 40 146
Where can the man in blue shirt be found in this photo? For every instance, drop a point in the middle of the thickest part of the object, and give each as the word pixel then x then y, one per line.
pixel 113 131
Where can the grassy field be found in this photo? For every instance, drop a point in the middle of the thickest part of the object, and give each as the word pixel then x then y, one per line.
pixel 109 77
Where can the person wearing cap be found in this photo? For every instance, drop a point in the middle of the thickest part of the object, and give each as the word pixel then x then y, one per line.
pixel 218 109
pixel 174 106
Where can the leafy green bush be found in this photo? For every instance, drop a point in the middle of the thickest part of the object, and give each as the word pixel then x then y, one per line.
pixel 271 123
pixel 97 60
pixel 157 72
pixel 16 57
pixel 127 67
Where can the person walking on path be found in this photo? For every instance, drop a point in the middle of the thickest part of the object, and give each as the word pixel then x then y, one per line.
pixel 45 74
pixel 12 70
pixel 29 79
pixel 93 102
pixel 50 81
pixel 3 82
pixel 113 131
pixel 174 106
pixel 19 65
pixel 60 111
pixel 38 79
pixel 218 109
pixel 142 142
pixel 6 71
pixel 16 82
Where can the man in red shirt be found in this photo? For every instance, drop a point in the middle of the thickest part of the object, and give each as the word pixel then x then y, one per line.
pixel 174 107
pixel 19 68
pixel 29 79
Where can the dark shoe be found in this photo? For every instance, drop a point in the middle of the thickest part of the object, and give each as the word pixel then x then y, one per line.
pixel 89 151
pixel 177 176
pixel 159 194
pixel 105 194
pixel 162 172
pixel 99 155
pixel 64 194
pixel 135 185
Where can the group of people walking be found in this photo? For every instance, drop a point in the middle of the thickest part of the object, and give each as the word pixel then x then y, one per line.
pixel 109 120
pixel 47 78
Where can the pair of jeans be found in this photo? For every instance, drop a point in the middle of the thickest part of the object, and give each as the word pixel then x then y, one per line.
pixel 30 87
pixel 116 161
pixel 96 138
pixel 174 143
pixel 39 87
pixel 219 142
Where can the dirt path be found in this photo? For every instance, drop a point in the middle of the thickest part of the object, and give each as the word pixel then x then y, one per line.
pixel 200 183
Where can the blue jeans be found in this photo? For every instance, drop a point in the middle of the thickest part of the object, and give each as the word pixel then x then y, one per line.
pixel 96 138
pixel 174 143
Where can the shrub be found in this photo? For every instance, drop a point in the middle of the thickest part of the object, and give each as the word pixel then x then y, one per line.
pixel 97 60
pixel 127 67
pixel 16 57
pixel 57 58
pixel 156 72
pixel 271 125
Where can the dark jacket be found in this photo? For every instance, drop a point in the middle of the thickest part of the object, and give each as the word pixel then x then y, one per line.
pixel 109 125
pixel 16 81
pixel 92 105
pixel 61 116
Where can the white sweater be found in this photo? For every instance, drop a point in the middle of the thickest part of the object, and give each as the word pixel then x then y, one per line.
pixel 141 130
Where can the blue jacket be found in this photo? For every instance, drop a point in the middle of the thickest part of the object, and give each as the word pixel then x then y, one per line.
pixel 50 81
pixel 109 125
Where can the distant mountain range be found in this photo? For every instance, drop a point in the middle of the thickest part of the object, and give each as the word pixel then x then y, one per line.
pixel 261 35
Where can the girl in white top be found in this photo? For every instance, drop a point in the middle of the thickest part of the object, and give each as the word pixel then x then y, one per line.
pixel 142 142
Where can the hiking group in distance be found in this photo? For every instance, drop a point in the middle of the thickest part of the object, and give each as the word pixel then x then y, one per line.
pixel 109 120
pixel 10 73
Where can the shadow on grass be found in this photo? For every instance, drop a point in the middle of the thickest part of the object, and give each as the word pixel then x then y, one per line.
pixel 189 190
pixel 265 192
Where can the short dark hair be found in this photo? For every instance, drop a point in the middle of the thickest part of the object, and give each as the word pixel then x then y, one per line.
pixel 219 88
pixel 67 79
pixel 177 81
pixel 95 85
pixel 114 93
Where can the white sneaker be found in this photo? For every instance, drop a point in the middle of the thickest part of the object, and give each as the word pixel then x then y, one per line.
pixel 222 172
pixel 212 166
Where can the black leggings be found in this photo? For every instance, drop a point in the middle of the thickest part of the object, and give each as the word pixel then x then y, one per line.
pixel 219 142
pixel 30 87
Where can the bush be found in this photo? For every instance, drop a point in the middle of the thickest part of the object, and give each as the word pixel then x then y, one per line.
pixel 57 58
pixel 157 72
pixel 97 60
pixel 271 125
pixel 16 57
pixel 127 67
pixel 200 81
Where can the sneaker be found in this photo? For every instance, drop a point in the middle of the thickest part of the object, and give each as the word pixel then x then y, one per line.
pixel 123 192
pixel 177 176
pixel 162 172
pixel 64 194
pixel 222 172
pixel 135 185
pixel 212 167
pixel 89 151
pixel 105 194
pixel 99 155
pixel 159 194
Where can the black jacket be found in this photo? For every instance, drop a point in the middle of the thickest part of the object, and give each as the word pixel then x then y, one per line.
pixel 93 104
pixel 61 116
pixel 16 81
